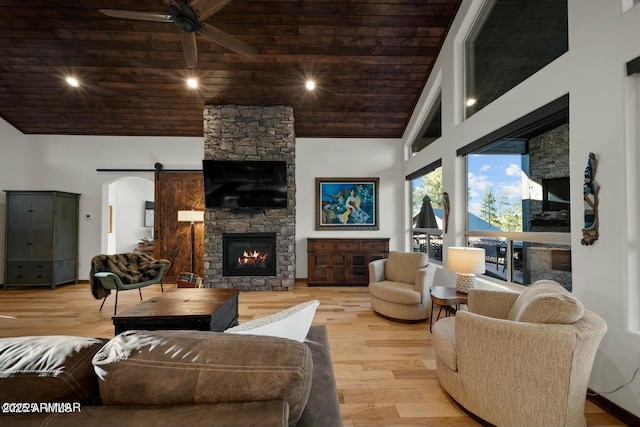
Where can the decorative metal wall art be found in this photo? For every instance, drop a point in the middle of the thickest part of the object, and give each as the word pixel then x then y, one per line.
pixel 590 195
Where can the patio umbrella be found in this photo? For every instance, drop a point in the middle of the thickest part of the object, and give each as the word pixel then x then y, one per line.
pixel 426 217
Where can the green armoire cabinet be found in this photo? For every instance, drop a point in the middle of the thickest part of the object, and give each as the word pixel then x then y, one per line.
pixel 41 238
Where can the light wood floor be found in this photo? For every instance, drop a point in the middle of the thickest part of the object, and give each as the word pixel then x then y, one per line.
pixel 385 371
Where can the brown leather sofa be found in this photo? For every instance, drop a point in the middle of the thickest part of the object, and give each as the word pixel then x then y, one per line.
pixel 169 378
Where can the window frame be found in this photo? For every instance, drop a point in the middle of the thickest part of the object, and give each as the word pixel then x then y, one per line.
pixel 428 232
pixel 550 114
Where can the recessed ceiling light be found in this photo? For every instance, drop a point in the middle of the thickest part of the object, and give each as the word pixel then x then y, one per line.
pixel 192 83
pixel 471 101
pixel 72 81
pixel 310 85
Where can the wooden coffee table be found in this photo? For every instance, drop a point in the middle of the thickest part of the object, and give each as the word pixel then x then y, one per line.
pixel 203 309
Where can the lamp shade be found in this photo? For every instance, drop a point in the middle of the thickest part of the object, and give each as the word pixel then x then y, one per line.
pixel 190 216
pixel 466 260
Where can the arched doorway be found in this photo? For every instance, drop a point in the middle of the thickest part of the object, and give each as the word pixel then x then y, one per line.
pixel 126 200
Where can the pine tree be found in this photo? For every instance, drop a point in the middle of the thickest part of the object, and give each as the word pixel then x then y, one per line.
pixel 511 218
pixel 488 210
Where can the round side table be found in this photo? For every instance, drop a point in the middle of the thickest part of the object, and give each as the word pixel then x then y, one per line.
pixel 448 299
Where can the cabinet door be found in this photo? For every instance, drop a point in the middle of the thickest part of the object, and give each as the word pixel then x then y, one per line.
pixel 25 244
pixel 359 269
pixel 18 247
pixel 338 269
pixel 66 226
pixel 41 211
pixel 318 267
pixel 18 215
pixel 41 244
pixel 30 211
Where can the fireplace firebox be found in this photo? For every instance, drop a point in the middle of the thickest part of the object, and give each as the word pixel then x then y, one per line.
pixel 249 254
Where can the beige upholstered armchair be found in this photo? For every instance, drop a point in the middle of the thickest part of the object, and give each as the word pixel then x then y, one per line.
pixel 520 359
pixel 399 285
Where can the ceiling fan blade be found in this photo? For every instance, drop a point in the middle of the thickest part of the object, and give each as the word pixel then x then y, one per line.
pixel 140 16
pixel 190 48
pixel 206 8
pixel 228 41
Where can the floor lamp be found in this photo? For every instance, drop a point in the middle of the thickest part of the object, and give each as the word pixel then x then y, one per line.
pixel 192 217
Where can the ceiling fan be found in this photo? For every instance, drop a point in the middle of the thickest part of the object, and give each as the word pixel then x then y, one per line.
pixel 188 17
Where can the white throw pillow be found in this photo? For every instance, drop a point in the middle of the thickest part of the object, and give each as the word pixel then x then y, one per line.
pixel 292 323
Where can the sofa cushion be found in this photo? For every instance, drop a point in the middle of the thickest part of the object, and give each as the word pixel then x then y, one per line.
pixel 546 301
pixel 323 408
pixel 396 292
pixel 185 367
pixel 48 369
pixel 269 413
pixel 402 266
pixel 444 342
pixel 292 323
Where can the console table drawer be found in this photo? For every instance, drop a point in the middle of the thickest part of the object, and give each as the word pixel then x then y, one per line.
pixel 348 246
pixel 321 246
pixel 375 246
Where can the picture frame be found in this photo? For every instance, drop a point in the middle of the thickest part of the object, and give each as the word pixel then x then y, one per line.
pixel 347 203
pixel 148 214
pixel 110 219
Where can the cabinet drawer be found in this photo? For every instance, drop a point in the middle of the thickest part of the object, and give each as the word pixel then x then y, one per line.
pixel 29 272
pixel 321 246
pixel 374 246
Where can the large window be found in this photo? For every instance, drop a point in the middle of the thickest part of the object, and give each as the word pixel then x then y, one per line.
pixel 511 41
pixel 518 204
pixel 432 128
pixel 427 210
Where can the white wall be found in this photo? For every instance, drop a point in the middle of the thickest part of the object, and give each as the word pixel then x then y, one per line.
pixel 605 276
pixel 69 163
pixel 12 173
pixel 348 158
pixel 602 38
pixel 128 212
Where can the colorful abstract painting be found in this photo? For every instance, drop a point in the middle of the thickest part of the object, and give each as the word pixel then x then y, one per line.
pixel 347 203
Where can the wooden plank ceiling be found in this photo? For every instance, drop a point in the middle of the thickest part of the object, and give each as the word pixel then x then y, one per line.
pixel 369 58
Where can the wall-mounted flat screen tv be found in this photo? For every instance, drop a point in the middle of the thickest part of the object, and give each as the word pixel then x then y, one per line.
pixel 556 194
pixel 245 184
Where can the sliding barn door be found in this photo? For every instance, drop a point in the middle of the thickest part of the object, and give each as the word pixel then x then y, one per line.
pixel 176 191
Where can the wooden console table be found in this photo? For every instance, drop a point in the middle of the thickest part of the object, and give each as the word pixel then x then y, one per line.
pixel 343 261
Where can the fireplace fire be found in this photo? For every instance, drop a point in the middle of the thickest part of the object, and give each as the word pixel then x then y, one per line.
pixel 248 254
pixel 253 258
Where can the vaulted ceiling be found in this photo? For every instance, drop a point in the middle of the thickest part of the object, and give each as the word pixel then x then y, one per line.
pixel 370 60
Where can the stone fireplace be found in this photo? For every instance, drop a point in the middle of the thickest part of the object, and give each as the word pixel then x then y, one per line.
pixel 233 132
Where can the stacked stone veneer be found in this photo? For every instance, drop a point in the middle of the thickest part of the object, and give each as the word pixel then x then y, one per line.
pixel 548 158
pixel 233 132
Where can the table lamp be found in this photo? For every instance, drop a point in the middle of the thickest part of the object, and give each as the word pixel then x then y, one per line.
pixel 467 262
pixel 192 217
